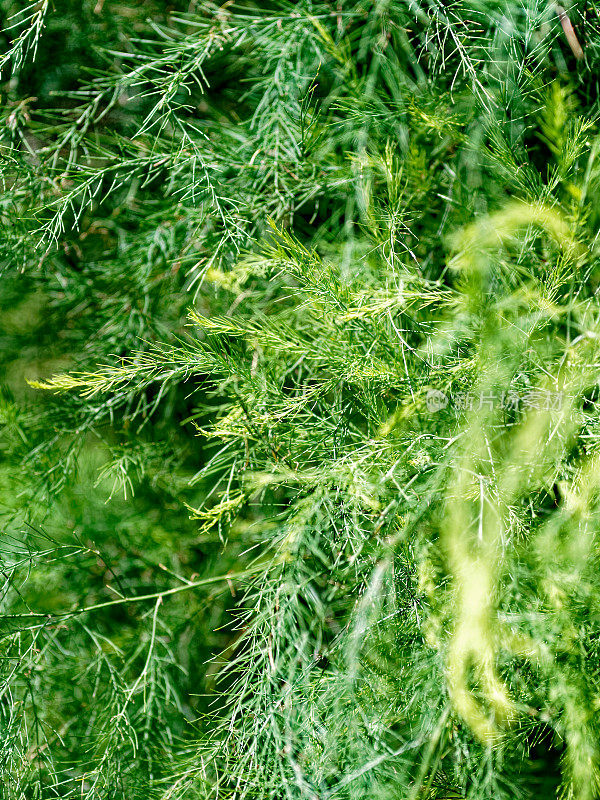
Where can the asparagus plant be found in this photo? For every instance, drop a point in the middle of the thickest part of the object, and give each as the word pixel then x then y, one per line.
pixel 300 363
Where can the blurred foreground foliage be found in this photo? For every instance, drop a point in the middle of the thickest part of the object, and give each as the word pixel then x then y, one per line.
pixel 300 343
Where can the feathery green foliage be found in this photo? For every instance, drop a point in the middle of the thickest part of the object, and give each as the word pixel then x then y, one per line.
pixel 300 362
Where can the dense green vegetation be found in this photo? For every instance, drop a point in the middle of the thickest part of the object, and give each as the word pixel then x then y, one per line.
pixel 299 369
